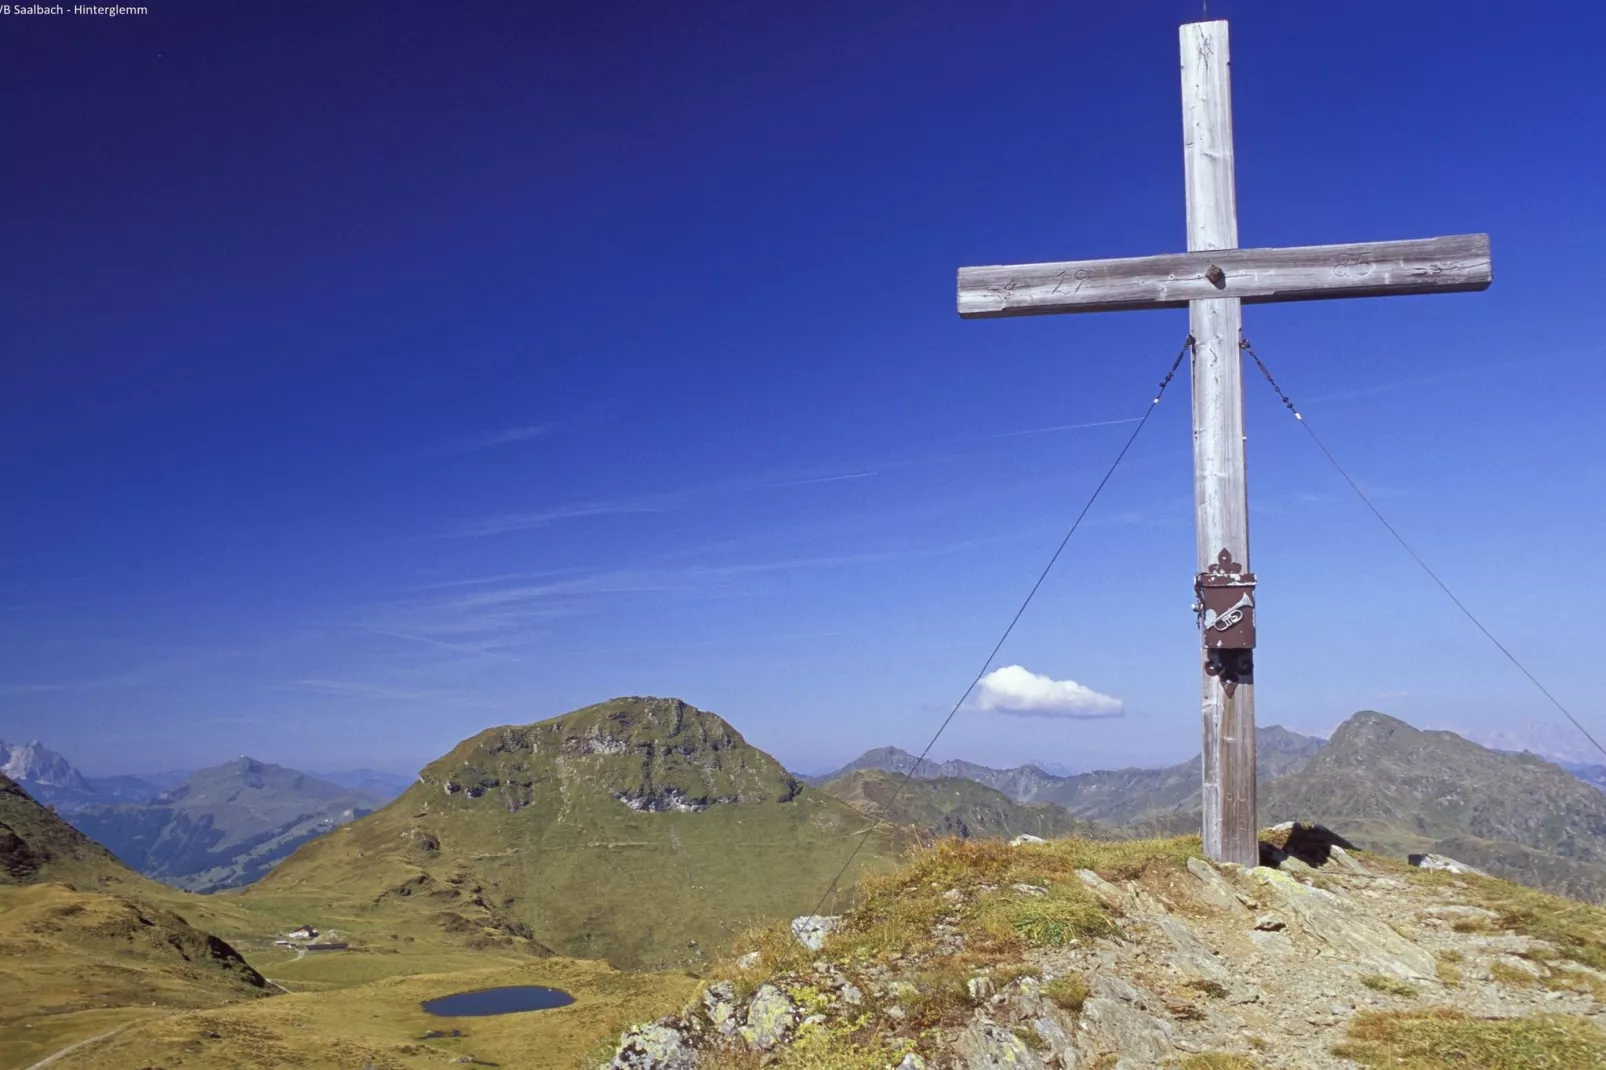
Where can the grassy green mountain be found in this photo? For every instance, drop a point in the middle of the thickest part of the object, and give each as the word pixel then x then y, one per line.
pixel 954 806
pixel 1393 788
pixel 640 830
pixel 223 826
pixel 1152 800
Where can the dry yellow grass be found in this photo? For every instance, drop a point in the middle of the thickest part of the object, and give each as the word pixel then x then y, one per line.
pixel 1448 1040
pixel 381 1024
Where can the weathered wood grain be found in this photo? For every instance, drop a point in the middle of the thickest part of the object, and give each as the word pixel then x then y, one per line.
pixel 1221 493
pixel 1452 264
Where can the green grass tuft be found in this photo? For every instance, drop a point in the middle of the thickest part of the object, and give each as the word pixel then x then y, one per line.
pixel 1378 982
pixel 1067 993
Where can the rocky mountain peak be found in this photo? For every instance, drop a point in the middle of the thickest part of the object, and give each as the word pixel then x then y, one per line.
pixel 651 754
pixel 33 763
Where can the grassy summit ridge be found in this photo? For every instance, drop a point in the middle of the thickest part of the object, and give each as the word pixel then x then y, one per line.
pixel 640 830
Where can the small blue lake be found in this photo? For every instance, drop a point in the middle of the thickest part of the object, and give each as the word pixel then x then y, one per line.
pixel 486 1001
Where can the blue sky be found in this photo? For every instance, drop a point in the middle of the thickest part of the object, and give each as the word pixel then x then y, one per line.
pixel 375 374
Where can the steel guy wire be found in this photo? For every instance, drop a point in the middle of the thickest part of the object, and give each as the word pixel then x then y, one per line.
pixel 1187 347
pixel 1434 576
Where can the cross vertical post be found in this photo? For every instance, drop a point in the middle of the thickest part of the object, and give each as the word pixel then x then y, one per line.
pixel 1221 499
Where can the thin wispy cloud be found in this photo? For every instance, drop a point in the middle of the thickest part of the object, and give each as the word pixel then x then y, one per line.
pixel 1407 384
pixel 484 617
pixel 479 650
pixel 1066 427
pixel 1018 691
pixel 359 689
pixel 540 518
pixel 823 479
pixel 144 676
pixel 510 523
pixel 487 440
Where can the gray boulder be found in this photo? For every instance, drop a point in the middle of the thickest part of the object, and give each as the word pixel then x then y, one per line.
pixel 654 1047
pixel 811 929
pixel 770 1016
pixel 985 1046
pixel 1431 861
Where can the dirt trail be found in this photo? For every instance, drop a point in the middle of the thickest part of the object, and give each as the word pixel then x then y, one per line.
pixel 69 1049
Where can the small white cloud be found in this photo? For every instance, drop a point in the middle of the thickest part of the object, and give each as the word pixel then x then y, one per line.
pixel 1017 690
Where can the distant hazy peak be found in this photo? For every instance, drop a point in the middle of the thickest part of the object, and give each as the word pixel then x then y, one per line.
pixel 34 763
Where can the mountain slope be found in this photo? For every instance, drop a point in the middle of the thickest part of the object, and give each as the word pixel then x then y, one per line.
pixel 640 830
pixel 81 932
pixel 37 846
pixel 223 826
pixel 954 806
pixel 1391 787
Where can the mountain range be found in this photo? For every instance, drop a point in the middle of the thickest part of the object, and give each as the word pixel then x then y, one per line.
pixel 1383 784
pixel 54 781
pixel 223 826
pixel 1164 799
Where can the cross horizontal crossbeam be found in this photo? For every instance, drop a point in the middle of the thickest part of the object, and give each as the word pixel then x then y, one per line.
pixel 1256 276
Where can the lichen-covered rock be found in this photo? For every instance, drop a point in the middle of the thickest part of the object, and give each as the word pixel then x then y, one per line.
pixel 1352 935
pixel 770 1016
pixel 654 1047
pixel 812 929
pixel 985 1046
pixel 719 1002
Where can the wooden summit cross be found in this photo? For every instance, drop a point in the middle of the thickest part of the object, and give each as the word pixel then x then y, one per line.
pixel 1212 279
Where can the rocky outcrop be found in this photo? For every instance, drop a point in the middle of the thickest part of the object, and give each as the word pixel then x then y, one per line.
pixel 1360 939
pixel 1197 958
